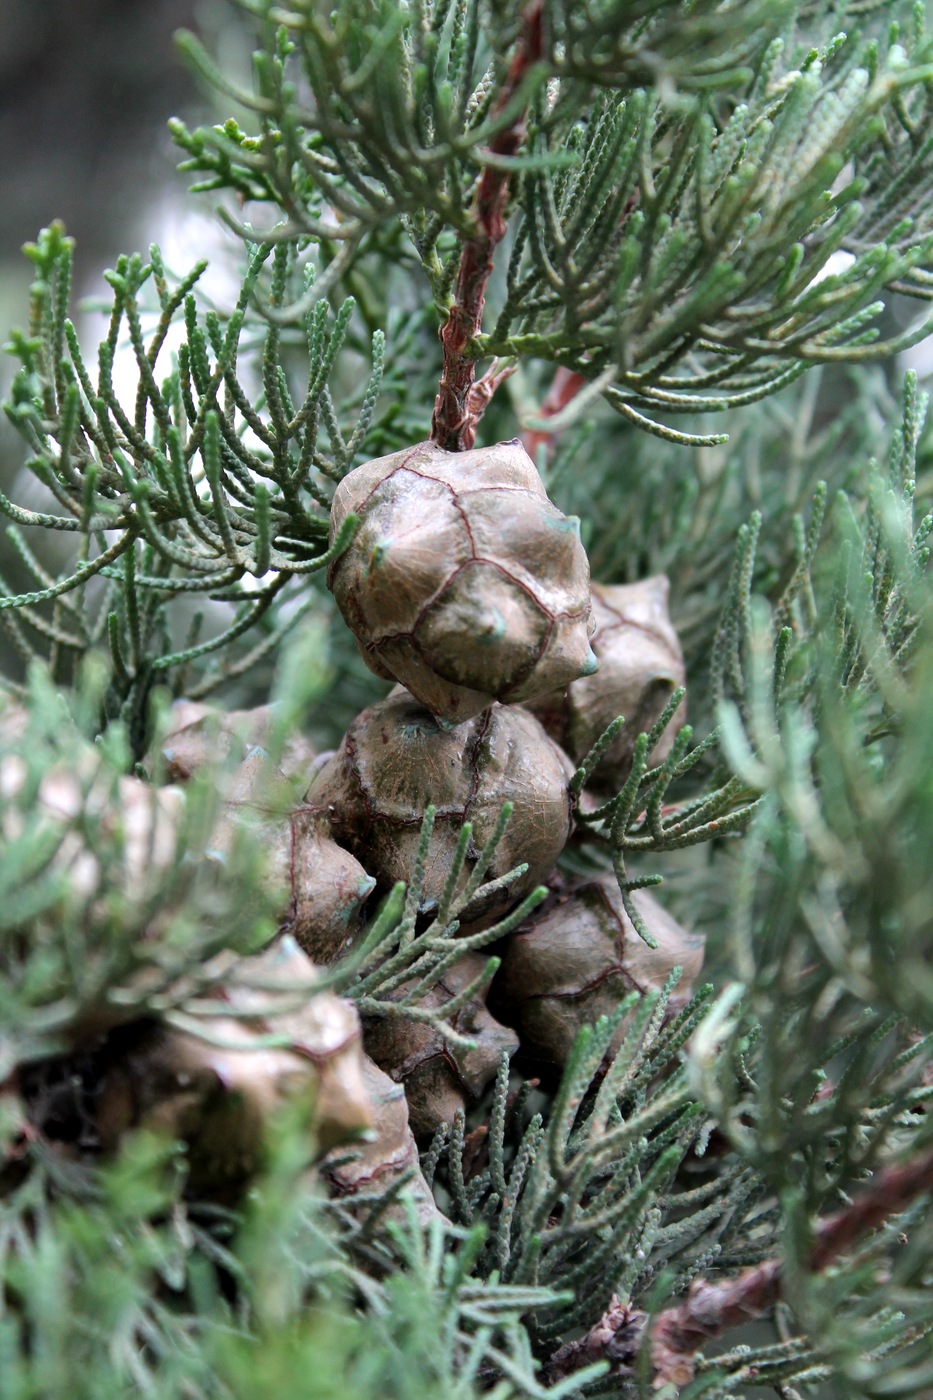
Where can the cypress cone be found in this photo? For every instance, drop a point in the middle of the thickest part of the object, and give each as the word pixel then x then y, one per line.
pixel 396 758
pixel 199 735
pixel 440 1078
pixel 578 956
pixel 328 890
pixel 389 1156
pixel 640 666
pixel 142 820
pixel 220 1098
pixel 324 887
pixel 464 582
pixel 104 836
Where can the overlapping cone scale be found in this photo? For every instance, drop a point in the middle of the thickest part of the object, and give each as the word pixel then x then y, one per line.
pixel 396 759
pixel 388 1157
pixel 322 887
pixel 221 1094
pixel 640 666
pixel 440 1078
pixel 575 960
pixel 464 582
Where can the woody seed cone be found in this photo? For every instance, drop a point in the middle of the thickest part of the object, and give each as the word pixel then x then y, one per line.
pixel 576 959
pixel 199 735
pixel 396 758
pixel 640 667
pixel 390 1154
pixel 440 1078
pixel 220 1098
pixel 323 887
pixel 464 582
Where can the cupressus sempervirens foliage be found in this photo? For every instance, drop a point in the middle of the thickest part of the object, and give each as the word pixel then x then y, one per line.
pixel 661 243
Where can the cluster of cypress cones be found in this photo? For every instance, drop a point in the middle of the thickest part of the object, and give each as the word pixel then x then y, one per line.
pixel 467 587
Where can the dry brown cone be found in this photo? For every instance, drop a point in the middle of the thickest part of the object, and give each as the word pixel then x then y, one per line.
pixel 640 667
pixel 440 1078
pixel 396 759
pixel 144 820
pixel 323 887
pixel 200 735
pixel 464 582
pixel 135 844
pixel 577 958
pixel 390 1155
pixel 222 1098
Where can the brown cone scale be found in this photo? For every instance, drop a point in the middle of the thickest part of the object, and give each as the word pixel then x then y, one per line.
pixel 464 582
pixel 640 667
pixel 390 1154
pixel 221 1096
pixel 323 886
pixel 578 958
pixel 440 1078
pixel 396 758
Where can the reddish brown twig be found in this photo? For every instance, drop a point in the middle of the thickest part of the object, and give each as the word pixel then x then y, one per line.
pixel 452 426
pixel 616 1338
pixel 891 1191
pixel 710 1309
pixel 482 391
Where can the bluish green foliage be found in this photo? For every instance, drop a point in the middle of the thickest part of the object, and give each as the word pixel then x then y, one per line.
pixel 117 1287
pixel 709 205
pixel 679 194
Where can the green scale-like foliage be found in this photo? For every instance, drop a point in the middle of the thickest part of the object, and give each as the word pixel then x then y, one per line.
pixel 670 243
pixel 701 205
pixel 172 499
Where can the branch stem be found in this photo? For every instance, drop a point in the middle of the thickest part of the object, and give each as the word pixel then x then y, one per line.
pixel 711 1309
pixel 453 426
